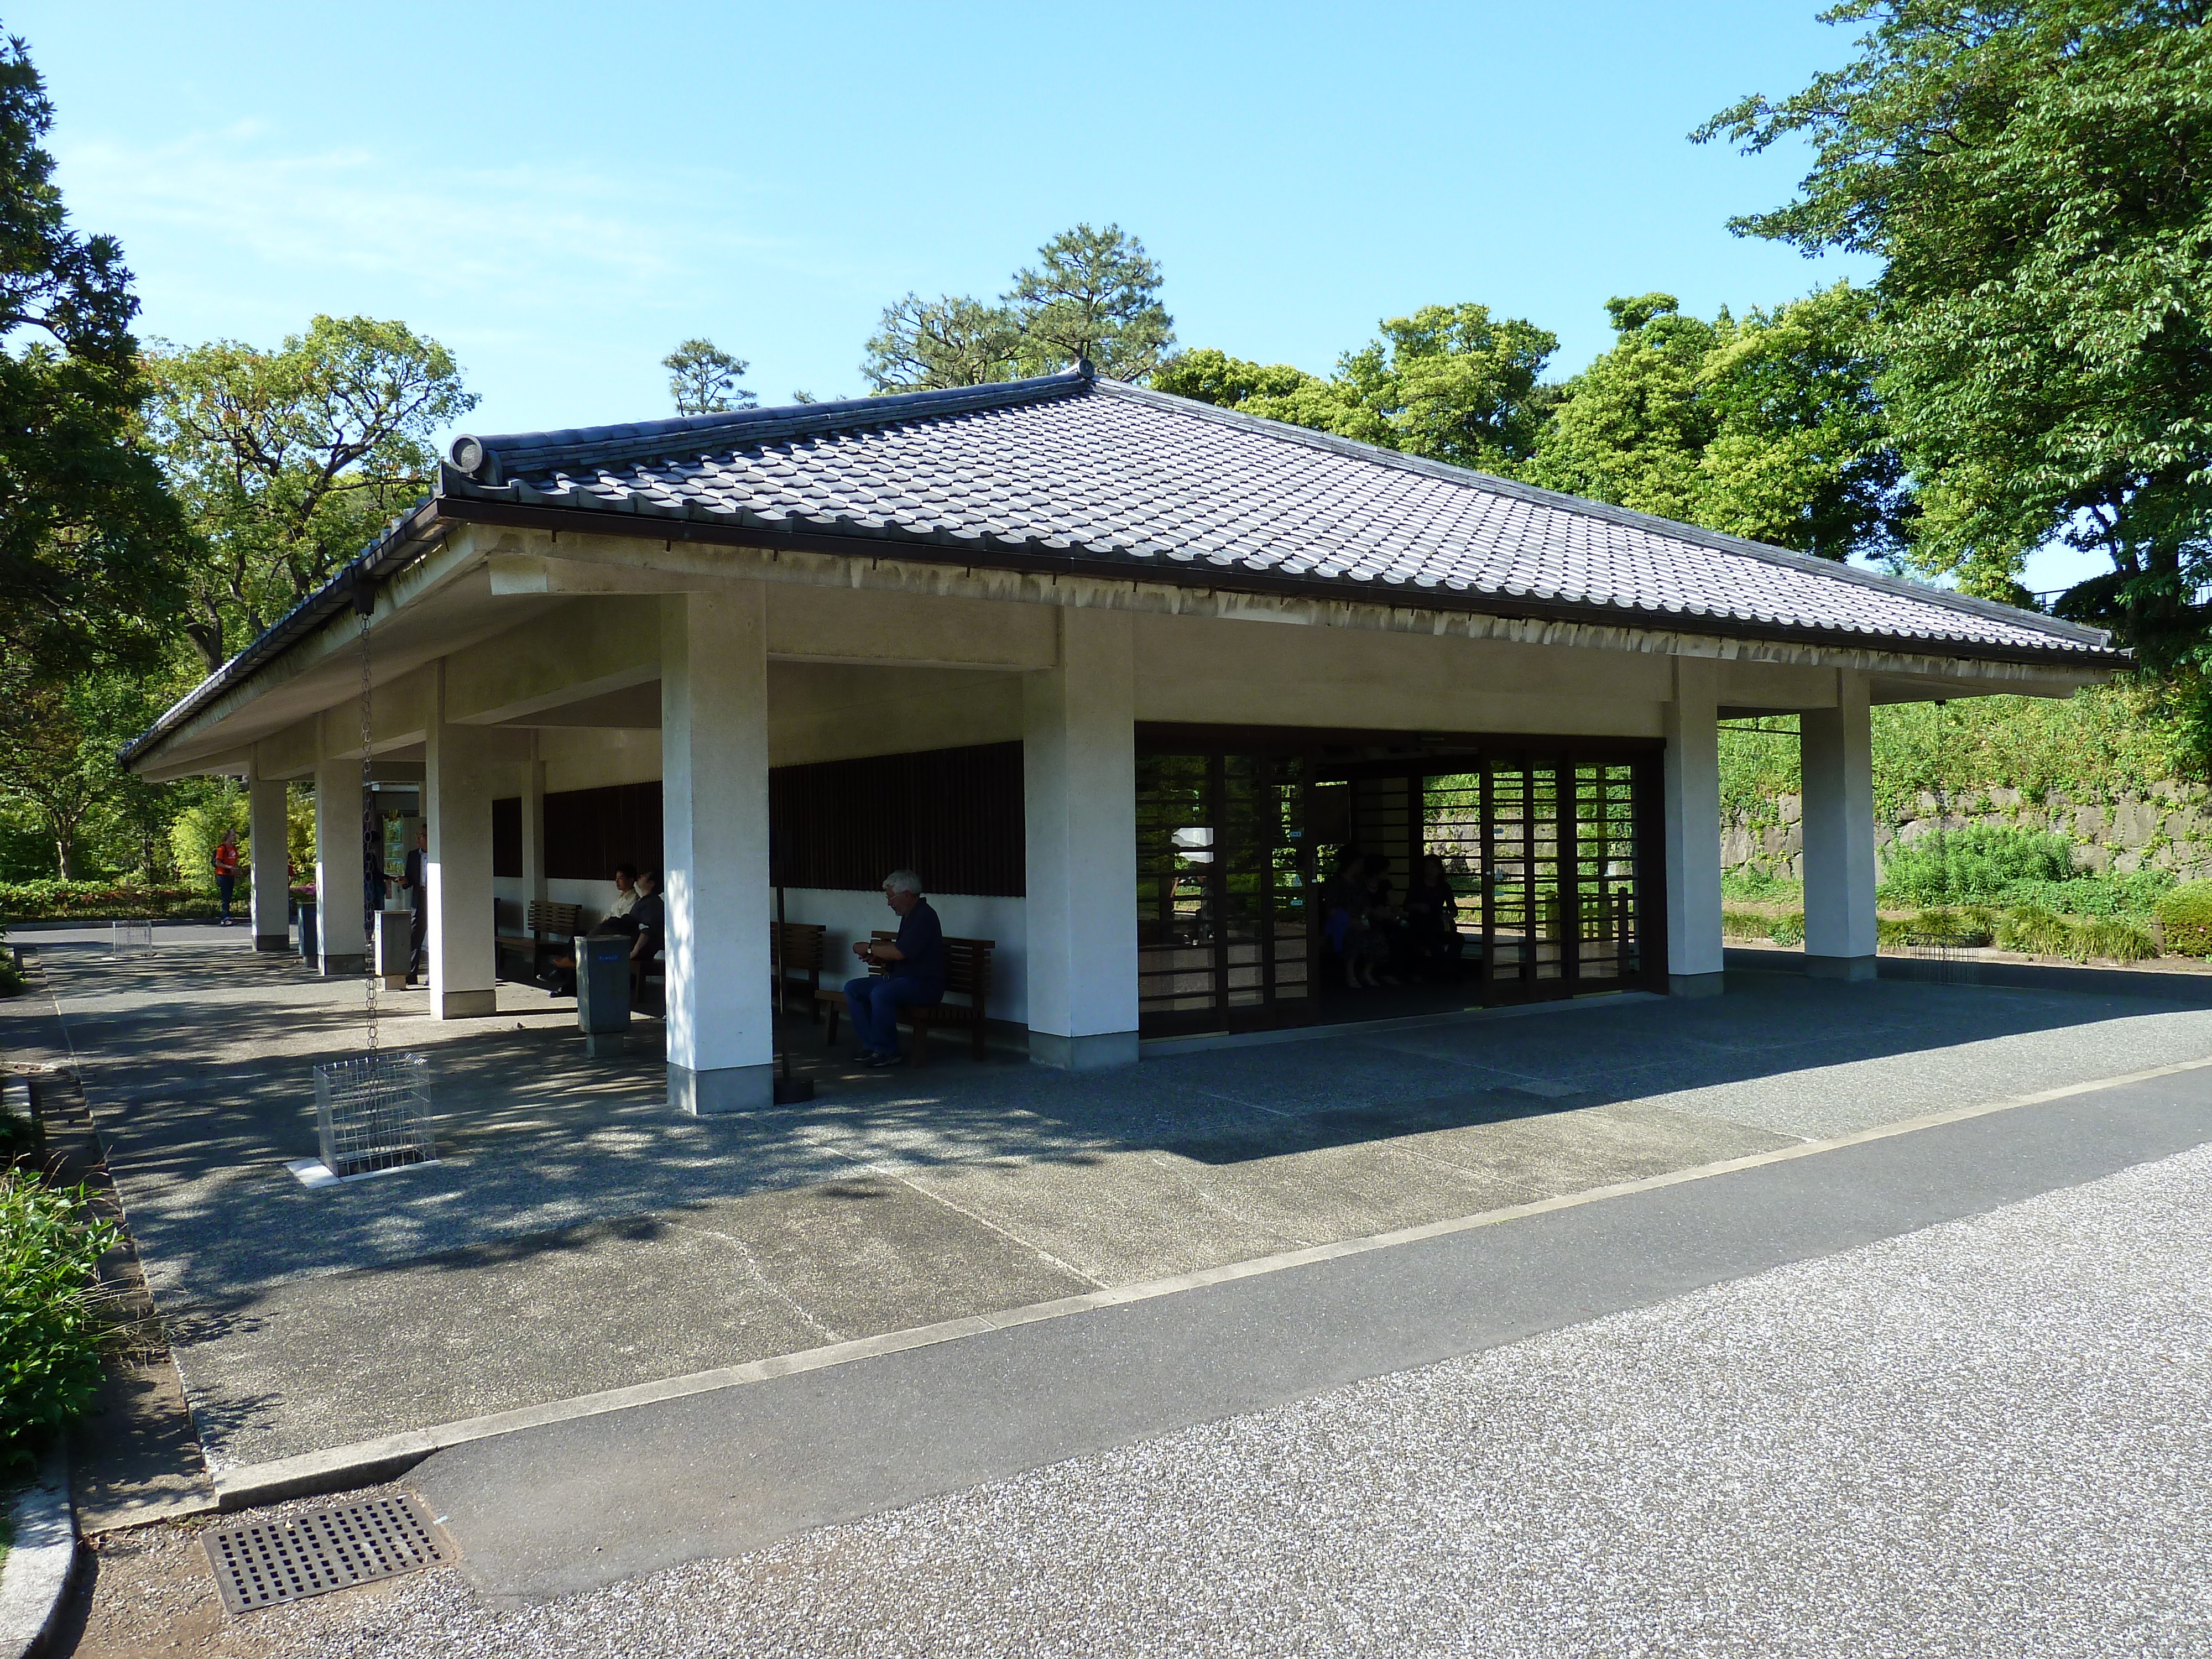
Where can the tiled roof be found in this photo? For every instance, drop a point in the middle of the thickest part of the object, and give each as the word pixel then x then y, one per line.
pixel 1073 469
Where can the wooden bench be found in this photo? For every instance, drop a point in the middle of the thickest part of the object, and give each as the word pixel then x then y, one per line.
pixel 546 925
pixel 800 960
pixel 967 972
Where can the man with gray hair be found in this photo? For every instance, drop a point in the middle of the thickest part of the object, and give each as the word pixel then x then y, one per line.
pixel 913 971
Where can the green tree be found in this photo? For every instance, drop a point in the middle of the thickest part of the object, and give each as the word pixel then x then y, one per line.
pixel 927 345
pixel 2035 177
pixel 703 378
pixel 1093 294
pixel 1768 428
pixel 289 462
pixel 91 546
pixel 1449 383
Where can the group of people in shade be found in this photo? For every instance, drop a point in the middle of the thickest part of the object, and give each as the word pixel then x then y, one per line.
pixel 912 962
pixel 1375 938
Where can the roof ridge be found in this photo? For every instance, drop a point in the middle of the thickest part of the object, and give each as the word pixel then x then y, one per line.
pixel 1698 535
pixel 502 454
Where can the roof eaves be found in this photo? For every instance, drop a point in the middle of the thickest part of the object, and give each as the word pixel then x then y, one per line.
pixel 403 541
pixel 1989 610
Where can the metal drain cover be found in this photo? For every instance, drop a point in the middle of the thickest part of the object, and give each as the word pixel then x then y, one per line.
pixel 318 1551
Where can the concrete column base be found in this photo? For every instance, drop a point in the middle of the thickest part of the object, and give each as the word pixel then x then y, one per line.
pixel 346 967
pixel 605 1045
pixel 1098 1052
pixel 463 1005
pixel 728 1088
pixel 1695 985
pixel 272 941
pixel 1841 967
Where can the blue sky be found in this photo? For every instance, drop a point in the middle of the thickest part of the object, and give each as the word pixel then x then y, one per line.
pixel 560 193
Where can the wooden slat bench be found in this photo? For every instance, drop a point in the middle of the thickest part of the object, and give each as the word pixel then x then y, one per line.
pixel 967 972
pixel 547 925
pixel 801 962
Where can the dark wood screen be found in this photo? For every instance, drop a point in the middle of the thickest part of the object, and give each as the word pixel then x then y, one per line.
pixel 952 816
pixel 589 831
pixel 506 835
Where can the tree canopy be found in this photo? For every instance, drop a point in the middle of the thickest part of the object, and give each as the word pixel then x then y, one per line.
pixel 2037 179
pixel 1449 382
pixel 703 378
pixel 91 547
pixel 1767 427
pixel 1093 294
pixel 288 462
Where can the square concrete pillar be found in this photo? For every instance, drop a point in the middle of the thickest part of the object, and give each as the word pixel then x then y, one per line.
pixel 1080 801
pixel 1691 723
pixel 340 941
pixel 461 766
pixel 268 827
pixel 713 808
pixel 1839 830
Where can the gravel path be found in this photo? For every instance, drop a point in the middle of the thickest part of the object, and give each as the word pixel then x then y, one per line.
pixel 1991 1437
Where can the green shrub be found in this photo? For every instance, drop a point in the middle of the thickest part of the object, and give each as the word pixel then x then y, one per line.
pixel 1788 929
pixel 2036 932
pixel 1760 887
pixel 52 1318
pixel 2114 939
pixel 61 901
pixel 1969 927
pixel 2185 916
pixel 2133 894
pixel 1973 866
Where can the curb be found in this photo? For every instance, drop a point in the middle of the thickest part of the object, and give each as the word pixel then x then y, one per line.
pixel 388 1457
pixel 41 1561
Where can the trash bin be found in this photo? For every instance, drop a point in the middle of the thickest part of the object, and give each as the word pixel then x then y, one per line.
pixel 602 993
pixel 395 937
pixel 308 952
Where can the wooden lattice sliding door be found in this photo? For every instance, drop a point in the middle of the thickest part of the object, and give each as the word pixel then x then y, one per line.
pixel 1223 926
pixel 1552 851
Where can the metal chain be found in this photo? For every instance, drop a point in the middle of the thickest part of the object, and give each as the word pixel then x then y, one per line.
pixel 372 833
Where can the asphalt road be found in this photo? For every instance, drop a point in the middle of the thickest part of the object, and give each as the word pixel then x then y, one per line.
pixel 570 1507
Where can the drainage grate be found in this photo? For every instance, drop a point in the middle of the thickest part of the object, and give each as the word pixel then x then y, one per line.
pixel 312 1554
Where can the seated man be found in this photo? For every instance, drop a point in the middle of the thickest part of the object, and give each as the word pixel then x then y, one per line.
pixel 915 976
pixel 560 972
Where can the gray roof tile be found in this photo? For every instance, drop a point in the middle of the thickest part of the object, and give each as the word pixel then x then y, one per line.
pixel 1073 467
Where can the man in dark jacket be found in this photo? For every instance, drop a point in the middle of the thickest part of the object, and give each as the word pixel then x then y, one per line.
pixel 416 880
pixel 914 976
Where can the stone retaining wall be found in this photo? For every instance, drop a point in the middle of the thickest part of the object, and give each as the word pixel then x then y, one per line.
pixel 2169 829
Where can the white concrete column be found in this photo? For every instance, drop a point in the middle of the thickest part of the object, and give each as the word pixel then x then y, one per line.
pixel 269 828
pixel 713 812
pixel 460 770
pixel 1080 800
pixel 340 941
pixel 1693 829
pixel 1838 828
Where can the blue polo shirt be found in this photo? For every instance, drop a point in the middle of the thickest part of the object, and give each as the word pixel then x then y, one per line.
pixel 920 944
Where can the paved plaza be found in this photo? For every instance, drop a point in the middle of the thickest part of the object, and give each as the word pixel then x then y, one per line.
pixel 577 1237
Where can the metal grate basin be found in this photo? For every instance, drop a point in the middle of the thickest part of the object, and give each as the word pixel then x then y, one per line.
pixel 318 1551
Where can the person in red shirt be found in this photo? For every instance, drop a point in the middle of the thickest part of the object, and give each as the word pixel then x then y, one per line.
pixel 226 871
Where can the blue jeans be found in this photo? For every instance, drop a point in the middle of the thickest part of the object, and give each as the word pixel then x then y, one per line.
pixel 875 1004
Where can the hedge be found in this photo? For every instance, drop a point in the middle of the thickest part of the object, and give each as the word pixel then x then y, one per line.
pixel 2185 917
